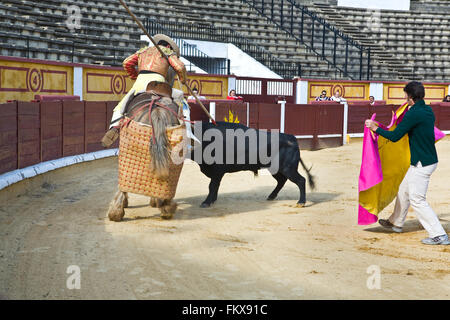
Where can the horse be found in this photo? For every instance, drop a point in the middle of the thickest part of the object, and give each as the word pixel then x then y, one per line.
pixel 163 113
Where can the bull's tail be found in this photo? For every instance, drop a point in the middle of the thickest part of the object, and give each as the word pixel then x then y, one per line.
pixel 311 181
pixel 159 146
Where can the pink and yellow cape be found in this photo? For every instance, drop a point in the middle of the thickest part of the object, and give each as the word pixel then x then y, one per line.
pixel 384 165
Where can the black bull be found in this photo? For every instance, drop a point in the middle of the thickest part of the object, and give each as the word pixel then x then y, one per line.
pixel 286 168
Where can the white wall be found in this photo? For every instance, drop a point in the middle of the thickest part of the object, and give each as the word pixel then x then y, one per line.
pixel 241 64
pixel 302 92
pixel 231 84
pixel 212 49
pixel 245 66
pixel 377 4
pixel 376 90
pixel 192 67
pixel 78 82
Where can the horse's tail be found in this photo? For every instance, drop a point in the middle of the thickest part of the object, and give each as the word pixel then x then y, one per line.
pixel 159 146
pixel 311 181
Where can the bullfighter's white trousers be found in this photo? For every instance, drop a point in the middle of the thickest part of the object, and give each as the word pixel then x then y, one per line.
pixel 412 191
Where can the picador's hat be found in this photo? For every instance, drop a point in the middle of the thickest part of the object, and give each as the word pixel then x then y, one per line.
pixel 162 37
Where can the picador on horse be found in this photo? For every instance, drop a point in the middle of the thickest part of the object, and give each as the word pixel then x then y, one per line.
pixel 148 122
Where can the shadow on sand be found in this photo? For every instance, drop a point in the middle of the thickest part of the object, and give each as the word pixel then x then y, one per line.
pixel 246 201
pixel 410 226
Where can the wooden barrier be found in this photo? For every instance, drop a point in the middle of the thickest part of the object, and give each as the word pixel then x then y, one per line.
pixel 222 108
pixel 40 98
pixel 301 119
pixel 444 117
pixel 357 113
pixel 32 132
pixel 232 111
pixel 95 125
pixel 383 113
pixel 8 137
pixel 197 113
pixel 51 130
pixel 28 134
pixel 442 112
pixel 73 128
pixel 315 126
pixel 268 115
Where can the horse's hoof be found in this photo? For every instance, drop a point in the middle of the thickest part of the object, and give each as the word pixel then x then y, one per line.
pixel 205 205
pixel 168 209
pixel 270 198
pixel 125 203
pixel 116 214
pixel 156 203
pixel 300 205
pixel 166 216
pixel 116 207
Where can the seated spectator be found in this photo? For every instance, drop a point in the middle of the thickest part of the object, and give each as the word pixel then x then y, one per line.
pixel 447 98
pixel 323 97
pixel 337 97
pixel 232 96
pixel 195 91
pixel 371 100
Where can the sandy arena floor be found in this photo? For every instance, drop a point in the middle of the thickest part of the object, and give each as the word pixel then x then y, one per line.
pixel 244 247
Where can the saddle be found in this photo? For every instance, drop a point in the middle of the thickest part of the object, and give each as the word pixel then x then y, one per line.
pixel 160 91
pixel 147 97
pixel 160 88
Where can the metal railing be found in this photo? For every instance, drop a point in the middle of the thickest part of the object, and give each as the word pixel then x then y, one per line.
pixel 111 56
pixel 332 45
pixel 190 52
pixel 64 50
pixel 265 90
pixel 207 32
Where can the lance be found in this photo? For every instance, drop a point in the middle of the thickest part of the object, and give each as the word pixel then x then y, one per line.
pixel 164 55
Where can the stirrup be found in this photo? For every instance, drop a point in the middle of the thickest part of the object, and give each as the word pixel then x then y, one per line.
pixel 110 137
